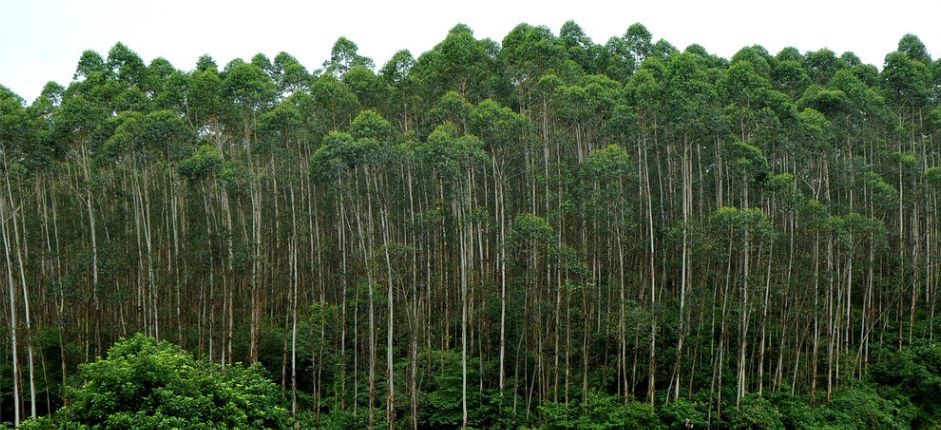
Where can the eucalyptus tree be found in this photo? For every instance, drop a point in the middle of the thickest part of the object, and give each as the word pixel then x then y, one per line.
pixel 15 136
pixel 459 63
pixel 694 104
pixel 344 56
pixel 397 73
pixel 333 99
pixel 251 90
pixel 289 74
pixel 527 53
pixel 372 131
pixel 645 91
pixel 453 159
pixel 610 173
pixel 126 65
pixel 73 124
pixel 371 90
pixel 578 46
pixel 499 128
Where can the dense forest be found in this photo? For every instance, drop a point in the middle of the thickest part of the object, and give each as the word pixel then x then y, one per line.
pixel 541 232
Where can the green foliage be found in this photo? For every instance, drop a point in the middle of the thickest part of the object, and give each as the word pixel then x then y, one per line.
pixel 333 99
pixel 449 153
pixel 916 373
pixel 205 161
pixel 599 412
pixel 933 175
pixel 344 56
pixel 459 63
pixel 370 125
pixel 248 86
pixel 682 415
pixel 531 228
pixel 609 163
pixel 496 125
pixel 145 384
pixel 755 413
pixel 749 162
pixel 796 413
pixel 441 400
pixel 861 407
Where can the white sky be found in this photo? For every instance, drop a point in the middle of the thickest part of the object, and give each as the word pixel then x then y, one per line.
pixel 41 40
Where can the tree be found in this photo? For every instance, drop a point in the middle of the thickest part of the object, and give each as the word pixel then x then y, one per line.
pixel 579 47
pixel 344 56
pixel 459 63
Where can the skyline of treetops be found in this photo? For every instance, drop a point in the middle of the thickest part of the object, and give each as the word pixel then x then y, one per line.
pixel 541 232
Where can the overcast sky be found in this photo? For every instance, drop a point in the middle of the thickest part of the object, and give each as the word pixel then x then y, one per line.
pixel 41 40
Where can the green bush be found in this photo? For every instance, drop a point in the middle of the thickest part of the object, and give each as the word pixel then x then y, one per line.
pixel 599 412
pixel 861 407
pixel 796 413
pixel 916 373
pixel 756 413
pixel 682 415
pixel 146 384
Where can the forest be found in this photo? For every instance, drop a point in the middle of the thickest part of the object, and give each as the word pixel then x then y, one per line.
pixel 542 232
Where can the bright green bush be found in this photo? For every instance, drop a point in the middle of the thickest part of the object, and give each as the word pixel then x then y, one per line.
pixel 146 384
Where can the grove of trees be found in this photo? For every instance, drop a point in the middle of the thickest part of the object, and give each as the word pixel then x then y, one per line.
pixel 542 231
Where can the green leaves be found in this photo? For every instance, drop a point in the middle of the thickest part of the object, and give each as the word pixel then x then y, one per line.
pixel 450 154
pixel 147 384
pixel 460 63
pixel 279 128
pixel 496 125
pixel 369 140
pixel 126 65
pixel 749 162
pixel 158 134
pixel 905 79
pixel 333 99
pixel 733 223
pixel 600 412
pixel 344 56
pixel 860 406
pixel 578 45
pixel 370 125
pixel 248 86
pixel 609 163
pixel 532 228
pixel 528 51
pixel 756 413
pixel 690 96
pixel 205 161
pixel 89 65
pixel 916 372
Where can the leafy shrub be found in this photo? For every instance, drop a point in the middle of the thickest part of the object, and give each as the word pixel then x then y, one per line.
pixel 146 384
pixel 796 413
pixel 916 373
pixel 861 407
pixel 682 415
pixel 756 413
pixel 599 412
